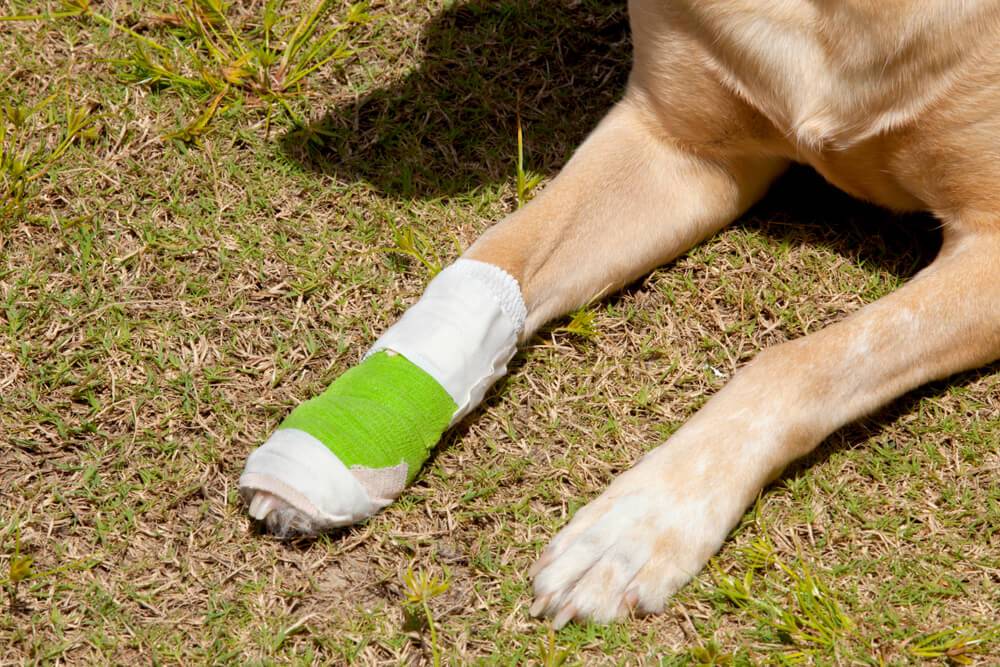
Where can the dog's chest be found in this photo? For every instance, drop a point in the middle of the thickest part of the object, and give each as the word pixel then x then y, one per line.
pixel 830 74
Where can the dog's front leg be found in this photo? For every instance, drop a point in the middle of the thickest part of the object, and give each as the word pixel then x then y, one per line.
pixel 658 523
pixel 629 200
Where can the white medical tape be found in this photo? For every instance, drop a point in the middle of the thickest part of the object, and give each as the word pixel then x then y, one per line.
pixel 462 331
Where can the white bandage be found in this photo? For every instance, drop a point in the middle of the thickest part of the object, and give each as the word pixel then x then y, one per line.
pixel 302 471
pixel 462 331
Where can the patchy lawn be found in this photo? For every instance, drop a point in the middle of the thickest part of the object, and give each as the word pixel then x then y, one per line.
pixel 192 240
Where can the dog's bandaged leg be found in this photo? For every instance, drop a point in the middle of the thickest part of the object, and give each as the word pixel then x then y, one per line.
pixel 344 455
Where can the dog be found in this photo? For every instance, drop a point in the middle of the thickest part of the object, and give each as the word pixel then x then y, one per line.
pixel 896 102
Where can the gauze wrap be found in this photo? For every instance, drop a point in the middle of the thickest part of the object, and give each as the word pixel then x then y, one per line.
pixel 340 457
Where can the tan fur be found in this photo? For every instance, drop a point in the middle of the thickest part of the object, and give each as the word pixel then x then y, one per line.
pixel 896 102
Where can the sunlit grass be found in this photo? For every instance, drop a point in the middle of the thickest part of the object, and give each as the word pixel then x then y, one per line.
pixel 162 308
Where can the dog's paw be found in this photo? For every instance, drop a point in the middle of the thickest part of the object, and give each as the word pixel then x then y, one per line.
pixel 631 548
pixel 295 486
pixel 279 517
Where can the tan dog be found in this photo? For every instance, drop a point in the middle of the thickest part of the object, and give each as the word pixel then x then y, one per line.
pixel 896 102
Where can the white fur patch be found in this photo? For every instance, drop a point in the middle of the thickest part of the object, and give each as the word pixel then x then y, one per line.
pixel 637 543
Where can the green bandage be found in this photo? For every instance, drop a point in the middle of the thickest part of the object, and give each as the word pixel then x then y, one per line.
pixel 344 455
pixel 380 413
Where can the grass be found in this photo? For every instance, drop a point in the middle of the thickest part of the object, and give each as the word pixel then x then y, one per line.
pixel 29 150
pixel 421 588
pixel 165 301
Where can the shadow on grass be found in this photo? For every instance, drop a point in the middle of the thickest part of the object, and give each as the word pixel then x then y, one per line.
pixel 451 125
pixel 803 209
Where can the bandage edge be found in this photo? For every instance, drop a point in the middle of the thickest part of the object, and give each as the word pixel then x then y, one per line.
pixel 300 461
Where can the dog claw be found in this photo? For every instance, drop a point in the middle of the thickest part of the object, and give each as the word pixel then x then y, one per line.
pixel 539 564
pixel 630 600
pixel 539 605
pixel 628 604
pixel 565 615
pixel 262 504
pixel 285 519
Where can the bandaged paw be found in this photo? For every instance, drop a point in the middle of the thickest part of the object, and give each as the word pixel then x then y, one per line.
pixel 342 456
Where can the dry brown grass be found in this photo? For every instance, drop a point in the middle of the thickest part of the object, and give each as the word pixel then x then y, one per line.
pixel 162 307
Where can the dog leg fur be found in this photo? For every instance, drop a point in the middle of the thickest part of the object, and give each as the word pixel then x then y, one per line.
pixel 680 157
pixel 657 524
pixel 628 201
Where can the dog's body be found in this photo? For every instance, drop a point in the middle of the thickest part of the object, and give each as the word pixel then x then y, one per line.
pixel 894 101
